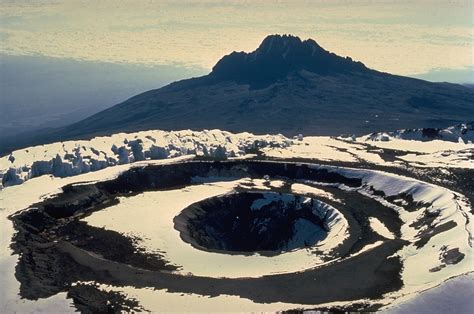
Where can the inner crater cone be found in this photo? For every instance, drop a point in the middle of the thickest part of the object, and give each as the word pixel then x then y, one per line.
pixel 250 222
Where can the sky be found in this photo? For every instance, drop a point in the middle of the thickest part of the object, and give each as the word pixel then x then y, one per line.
pixel 38 92
pixel 401 37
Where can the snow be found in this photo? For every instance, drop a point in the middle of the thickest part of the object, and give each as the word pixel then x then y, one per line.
pixel 299 188
pixel 436 153
pixel 160 234
pixel 64 159
pixel 19 197
pixel 369 247
pixel 380 228
pixel 418 146
pixel 461 158
pixel 456 293
pixel 305 232
pixel 461 133
pixel 162 301
pixel 31 174
pixel 450 206
pixel 452 148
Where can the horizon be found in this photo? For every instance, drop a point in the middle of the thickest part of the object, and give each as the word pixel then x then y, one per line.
pixel 404 38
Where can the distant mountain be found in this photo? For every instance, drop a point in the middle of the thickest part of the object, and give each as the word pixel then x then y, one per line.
pixel 286 86
pixel 279 56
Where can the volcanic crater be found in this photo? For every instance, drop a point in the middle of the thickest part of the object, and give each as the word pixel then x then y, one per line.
pixel 283 223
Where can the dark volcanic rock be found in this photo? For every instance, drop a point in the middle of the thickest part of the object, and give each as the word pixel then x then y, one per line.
pixel 279 56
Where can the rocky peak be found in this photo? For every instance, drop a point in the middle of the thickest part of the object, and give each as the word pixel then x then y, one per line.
pixel 286 46
pixel 276 57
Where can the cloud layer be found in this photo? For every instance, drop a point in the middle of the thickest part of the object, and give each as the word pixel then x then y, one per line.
pixel 402 38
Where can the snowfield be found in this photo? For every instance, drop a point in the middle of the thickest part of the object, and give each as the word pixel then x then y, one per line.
pixel 72 158
pixel 161 234
pixel 436 221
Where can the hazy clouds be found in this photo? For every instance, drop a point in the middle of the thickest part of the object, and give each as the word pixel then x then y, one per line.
pixel 39 92
pixel 402 37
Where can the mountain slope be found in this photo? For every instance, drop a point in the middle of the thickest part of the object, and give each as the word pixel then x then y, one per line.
pixel 286 86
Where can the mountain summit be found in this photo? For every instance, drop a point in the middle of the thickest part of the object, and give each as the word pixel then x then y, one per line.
pixel 286 86
pixel 279 55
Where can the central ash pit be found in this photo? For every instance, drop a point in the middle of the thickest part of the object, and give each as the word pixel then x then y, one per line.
pixel 248 222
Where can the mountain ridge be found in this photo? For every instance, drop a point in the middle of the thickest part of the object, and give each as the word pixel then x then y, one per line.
pixel 285 86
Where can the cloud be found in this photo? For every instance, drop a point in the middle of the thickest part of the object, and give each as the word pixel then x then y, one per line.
pixel 399 38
